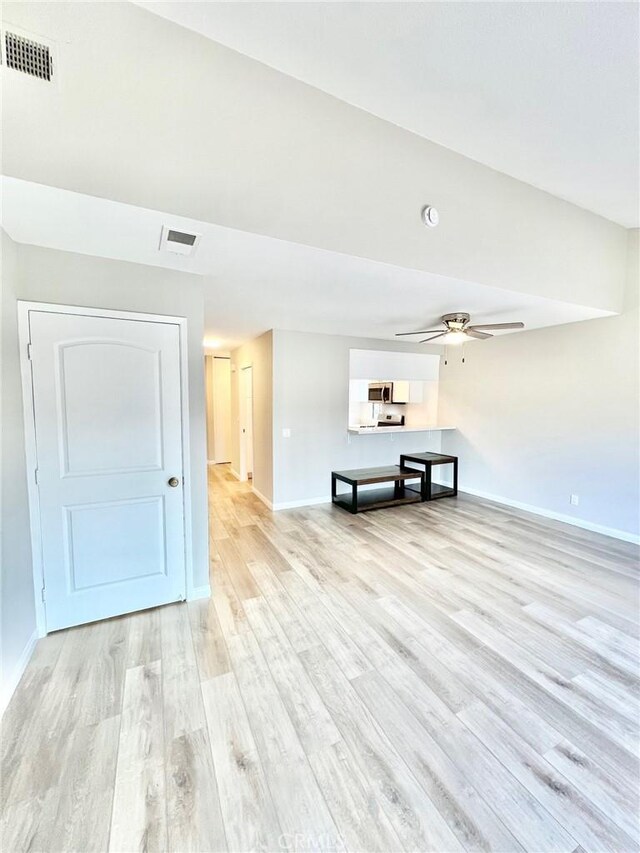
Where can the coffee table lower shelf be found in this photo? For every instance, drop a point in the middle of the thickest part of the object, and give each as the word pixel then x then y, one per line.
pixel 438 490
pixel 391 482
pixel 378 498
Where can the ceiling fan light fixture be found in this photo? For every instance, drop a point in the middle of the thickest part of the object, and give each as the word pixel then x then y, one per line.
pixel 455 337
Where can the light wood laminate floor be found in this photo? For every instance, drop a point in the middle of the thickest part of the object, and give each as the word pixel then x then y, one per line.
pixel 446 676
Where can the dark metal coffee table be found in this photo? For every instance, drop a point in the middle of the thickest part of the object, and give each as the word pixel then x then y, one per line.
pixel 398 492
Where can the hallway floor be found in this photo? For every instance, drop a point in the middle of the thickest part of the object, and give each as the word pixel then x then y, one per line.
pixel 446 676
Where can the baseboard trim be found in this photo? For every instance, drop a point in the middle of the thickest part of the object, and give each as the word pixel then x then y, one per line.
pixel 234 473
pixel 306 502
pixel 289 504
pixel 624 535
pixel 264 500
pixel 199 592
pixel 9 688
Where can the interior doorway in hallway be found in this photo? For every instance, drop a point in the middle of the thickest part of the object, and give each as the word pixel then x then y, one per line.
pixel 246 423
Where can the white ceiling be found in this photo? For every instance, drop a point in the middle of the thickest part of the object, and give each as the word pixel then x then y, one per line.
pixel 254 283
pixel 544 92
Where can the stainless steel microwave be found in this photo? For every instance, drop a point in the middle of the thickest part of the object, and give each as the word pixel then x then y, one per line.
pixel 380 392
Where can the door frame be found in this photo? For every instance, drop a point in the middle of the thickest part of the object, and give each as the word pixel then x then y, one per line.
pixel 28 407
pixel 243 474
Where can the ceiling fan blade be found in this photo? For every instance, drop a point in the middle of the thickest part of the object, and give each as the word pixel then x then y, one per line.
pixel 496 326
pixel 441 335
pixel 419 332
pixel 472 333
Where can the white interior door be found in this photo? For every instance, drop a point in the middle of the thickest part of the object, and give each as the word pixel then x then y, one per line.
pixel 246 422
pixel 108 429
pixel 222 409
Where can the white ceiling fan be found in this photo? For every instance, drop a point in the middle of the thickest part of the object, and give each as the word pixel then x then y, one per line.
pixel 458 329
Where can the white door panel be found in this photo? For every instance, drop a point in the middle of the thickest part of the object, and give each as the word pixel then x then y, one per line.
pixel 111 414
pixel 107 405
pixel 222 409
pixel 117 526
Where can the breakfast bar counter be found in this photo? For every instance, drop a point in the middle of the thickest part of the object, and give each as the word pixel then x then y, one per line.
pixel 354 429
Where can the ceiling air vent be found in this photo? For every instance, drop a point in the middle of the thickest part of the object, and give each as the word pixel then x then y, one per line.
pixel 178 242
pixel 28 56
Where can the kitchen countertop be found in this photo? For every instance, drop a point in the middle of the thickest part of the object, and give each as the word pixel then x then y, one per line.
pixel 367 430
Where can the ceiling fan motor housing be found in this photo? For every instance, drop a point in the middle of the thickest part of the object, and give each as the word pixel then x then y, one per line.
pixel 456 322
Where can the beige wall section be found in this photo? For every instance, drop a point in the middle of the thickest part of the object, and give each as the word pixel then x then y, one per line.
pixel 545 414
pixel 257 354
pixel 18 621
pixel 47 275
pixel 364 179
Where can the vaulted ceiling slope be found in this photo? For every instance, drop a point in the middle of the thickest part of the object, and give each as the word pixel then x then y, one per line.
pixel 148 113
pixel 253 283
pixel 545 92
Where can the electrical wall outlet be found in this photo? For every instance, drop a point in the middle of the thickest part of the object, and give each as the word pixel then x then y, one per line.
pixel 286 433
pixel 574 500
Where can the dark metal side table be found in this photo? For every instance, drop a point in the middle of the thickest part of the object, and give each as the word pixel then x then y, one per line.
pixel 431 490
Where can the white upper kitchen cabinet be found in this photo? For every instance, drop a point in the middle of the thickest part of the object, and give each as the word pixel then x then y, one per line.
pixel 401 391
pixel 416 391
pixel 382 365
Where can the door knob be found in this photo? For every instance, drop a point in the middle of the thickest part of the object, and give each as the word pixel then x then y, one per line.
pixel 173 482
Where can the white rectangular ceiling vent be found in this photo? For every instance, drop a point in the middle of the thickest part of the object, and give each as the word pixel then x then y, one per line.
pixel 28 56
pixel 178 242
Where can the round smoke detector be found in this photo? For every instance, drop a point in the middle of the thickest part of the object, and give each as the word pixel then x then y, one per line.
pixel 430 216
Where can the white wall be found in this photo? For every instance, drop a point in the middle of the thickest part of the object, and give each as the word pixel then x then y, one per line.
pixel 46 275
pixel 311 398
pixel 544 414
pixel 271 155
pixel 257 354
pixel 17 614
